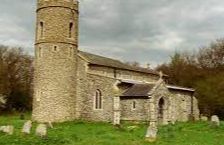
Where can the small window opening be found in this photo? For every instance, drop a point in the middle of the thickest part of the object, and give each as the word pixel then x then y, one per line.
pixel 133 105
pixel 70 29
pixel 40 49
pixel 55 48
pixel 98 100
pixel 41 29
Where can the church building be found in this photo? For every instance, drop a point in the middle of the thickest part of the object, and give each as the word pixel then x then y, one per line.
pixel 70 84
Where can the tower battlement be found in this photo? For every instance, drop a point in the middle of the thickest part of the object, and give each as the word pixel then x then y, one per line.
pixel 72 4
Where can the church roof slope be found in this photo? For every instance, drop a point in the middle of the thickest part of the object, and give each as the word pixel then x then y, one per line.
pixel 138 90
pixel 104 61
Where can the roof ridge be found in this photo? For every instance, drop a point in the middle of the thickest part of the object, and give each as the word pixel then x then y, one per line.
pixel 106 61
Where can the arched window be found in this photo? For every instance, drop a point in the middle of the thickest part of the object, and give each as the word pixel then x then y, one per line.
pixel 41 29
pixel 70 30
pixel 161 105
pixel 98 100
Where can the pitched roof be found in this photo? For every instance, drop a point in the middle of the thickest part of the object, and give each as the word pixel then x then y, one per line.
pixel 138 90
pixel 104 61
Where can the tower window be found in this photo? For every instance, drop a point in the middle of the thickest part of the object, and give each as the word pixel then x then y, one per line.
pixel 39 54
pixel 55 48
pixel 70 30
pixel 98 100
pixel 41 29
pixel 115 73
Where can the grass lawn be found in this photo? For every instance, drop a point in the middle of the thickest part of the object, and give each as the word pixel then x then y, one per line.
pixel 86 133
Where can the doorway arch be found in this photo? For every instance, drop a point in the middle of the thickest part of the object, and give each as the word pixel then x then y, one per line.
pixel 161 108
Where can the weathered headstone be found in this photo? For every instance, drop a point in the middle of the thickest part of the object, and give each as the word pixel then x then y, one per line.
pixel 7 129
pixel 204 118
pixel 215 120
pixel 151 133
pixel 41 130
pixel 27 127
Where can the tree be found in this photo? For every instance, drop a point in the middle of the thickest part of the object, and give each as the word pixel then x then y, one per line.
pixel 133 63
pixel 204 72
pixel 15 78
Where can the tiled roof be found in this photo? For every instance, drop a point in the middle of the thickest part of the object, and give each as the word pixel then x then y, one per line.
pixel 138 90
pixel 104 61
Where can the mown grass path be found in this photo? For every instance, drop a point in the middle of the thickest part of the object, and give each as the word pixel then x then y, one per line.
pixel 88 133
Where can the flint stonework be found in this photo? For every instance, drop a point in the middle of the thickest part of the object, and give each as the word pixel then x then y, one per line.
pixel 68 82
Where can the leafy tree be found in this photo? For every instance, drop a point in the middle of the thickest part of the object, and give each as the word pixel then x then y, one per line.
pixel 15 78
pixel 204 72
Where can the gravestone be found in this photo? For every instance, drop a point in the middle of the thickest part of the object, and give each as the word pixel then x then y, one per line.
pixel 27 127
pixel 7 129
pixel 215 120
pixel 151 133
pixel 41 130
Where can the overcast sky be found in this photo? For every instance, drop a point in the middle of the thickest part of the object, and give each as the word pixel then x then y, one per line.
pixel 147 31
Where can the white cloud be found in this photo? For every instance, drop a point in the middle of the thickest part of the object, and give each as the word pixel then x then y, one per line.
pixel 144 30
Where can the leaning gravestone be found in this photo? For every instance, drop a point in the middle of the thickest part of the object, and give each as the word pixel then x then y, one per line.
pixel 204 118
pixel 151 134
pixel 27 127
pixel 41 130
pixel 215 120
pixel 7 129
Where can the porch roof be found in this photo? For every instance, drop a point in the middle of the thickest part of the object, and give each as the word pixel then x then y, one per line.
pixel 138 90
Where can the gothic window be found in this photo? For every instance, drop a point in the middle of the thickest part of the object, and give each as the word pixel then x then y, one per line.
pixel 98 100
pixel 133 105
pixel 161 109
pixel 41 29
pixel 70 30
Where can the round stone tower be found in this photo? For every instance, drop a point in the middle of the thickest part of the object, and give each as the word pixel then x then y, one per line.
pixel 55 65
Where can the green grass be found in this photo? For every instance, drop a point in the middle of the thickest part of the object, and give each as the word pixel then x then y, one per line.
pixel 89 133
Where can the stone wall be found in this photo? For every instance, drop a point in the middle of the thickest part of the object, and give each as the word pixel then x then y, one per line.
pixel 177 105
pixel 139 113
pixel 55 84
pixel 182 103
pixel 122 74
pixel 55 61
pixel 196 111
pixel 105 85
pixel 82 86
